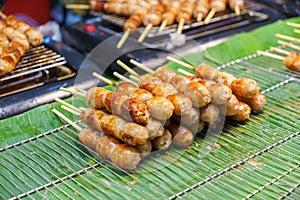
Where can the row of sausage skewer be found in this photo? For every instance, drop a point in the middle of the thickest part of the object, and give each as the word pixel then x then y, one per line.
pixel 291 59
pixel 155 112
pixel 15 37
pixel 151 13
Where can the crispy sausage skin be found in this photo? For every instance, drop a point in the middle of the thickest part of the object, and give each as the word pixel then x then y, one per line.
pixel 106 145
pixel 162 142
pixel 182 104
pixel 164 73
pixel 160 108
pixel 244 87
pixel 125 156
pixel 209 113
pixel 192 118
pixel 148 82
pixel 163 90
pixel 198 93
pixel 182 136
pixel 231 106
pixel 130 133
pixel 89 137
pixel 155 128
pixel 292 61
pixel 257 102
pixel 243 112
pixel 144 149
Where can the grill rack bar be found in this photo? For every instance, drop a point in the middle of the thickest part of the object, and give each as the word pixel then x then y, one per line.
pixel 35 59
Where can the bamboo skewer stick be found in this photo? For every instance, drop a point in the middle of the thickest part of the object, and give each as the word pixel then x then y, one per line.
pixel 2 15
pixel 144 33
pixel 293 46
pixel 163 25
pixel 123 39
pixel 134 78
pixel 180 26
pixel 67 105
pixel 80 90
pixel 280 50
pixel 70 110
pixel 72 91
pixel 210 15
pixel 185 72
pixel 199 17
pixel 181 63
pixel 102 78
pixel 296 30
pixel 77 6
pixel 123 78
pixel 237 10
pixel 124 66
pixel 141 66
pixel 286 37
pixel 293 24
pixel 270 55
pixel 62 116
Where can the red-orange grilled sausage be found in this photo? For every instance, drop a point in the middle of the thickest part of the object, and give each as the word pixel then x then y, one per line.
pixel 160 108
pixel 201 7
pixel 257 102
pixel 244 87
pixel 219 5
pixel 243 112
pixel 292 61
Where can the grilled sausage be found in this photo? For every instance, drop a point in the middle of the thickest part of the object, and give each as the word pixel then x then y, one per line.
pixel 126 88
pixel 164 73
pixel 201 7
pixel 4 41
pixel 220 93
pixel 154 16
pixel 12 33
pixel 130 133
pixel 209 113
pixel 148 82
pixel 144 149
pixel 206 72
pixel 160 108
pixel 182 136
pixel 231 106
pixel 89 137
pixel 17 24
pixel 198 94
pixel 292 61
pixel 134 92
pixel 163 90
pixel 162 142
pixel 243 112
pixel 234 3
pixel 192 118
pixel 179 82
pixel 244 87
pixel 125 156
pixel 224 78
pixel 257 102
pixel 219 5
pixel 106 145
pixel 186 11
pixel 118 104
pixel 197 128
pixel 182 104
pixel 155 128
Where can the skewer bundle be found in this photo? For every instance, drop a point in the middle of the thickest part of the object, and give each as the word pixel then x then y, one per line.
pixel 15 37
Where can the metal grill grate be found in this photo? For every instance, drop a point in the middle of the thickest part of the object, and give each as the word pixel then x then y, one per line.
pixel 35 59
pixel 255 159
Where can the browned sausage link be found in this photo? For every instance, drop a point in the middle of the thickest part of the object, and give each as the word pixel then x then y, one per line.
pixel 224 78
pixel 257 102
pixel 197 128
pixel 292 61
pixel 34 36
pixel 243 112
pixel 122 155
pixel 118 104
pixel 182 104
pixel 192 118
pixel 148 82
pixel 164 90
pixel 12 33
pixel 164 73
pixel 154 16
pixel 162 142
pixel 198 93
pixel 4 41
pixel 186 11
pixel 169 17
pixel 160 108
pixel 7 64
pixel 231 106
pixel 125 157
pixel 179 82
pixel 206 72
pixel 155 128
pixel 202 7
pixel 89 137
pixel 19 25
pixel 97 5
pixel 209 113
pixel 244 87
pixel 182 136
pixel 144 149
pixel 126 88
pixel 220 93
pixel 219 5
pixel 130 133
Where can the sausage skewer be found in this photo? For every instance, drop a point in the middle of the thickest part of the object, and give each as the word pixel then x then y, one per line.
pixel 216 6
pixel 185 14
pixel 168 17
pixel 197 92
pixel 201 9
pixel 291 60
pixel 122 155
pixel 116 103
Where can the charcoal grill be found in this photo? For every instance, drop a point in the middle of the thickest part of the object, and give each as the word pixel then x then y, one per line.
pixel 257 159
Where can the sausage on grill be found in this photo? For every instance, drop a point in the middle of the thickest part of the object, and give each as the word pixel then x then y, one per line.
pixel 130 133
pixel 162 142
pixel 144 149
pixel 243 112
pixel 257 102
pixel 118 104
pixel 244 87
pixel 209 113
pixel 160 108
pixel 182 136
